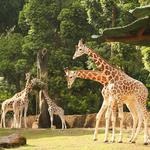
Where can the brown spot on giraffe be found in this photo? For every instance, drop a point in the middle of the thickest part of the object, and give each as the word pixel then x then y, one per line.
pixel 107 72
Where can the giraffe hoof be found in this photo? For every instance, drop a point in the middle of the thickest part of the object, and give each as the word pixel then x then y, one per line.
pixel 105 141
pixel 133 142
pixel 94 139
pixel 120 142
pixel 145 143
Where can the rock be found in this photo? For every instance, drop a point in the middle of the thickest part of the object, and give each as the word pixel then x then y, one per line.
pixel 75 121
pixel 90 121
pixel 13 140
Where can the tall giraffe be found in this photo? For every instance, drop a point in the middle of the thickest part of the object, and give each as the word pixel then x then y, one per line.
pixel 21 103
pixel 99 77
pixel 127 86
pixel 7 105
pixel 54 109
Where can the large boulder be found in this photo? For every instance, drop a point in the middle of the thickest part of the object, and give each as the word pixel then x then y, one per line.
pixel 13 140
pixel 90 121
pixel 75 121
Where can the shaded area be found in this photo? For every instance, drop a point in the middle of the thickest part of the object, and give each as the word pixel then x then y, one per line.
pixel 43 133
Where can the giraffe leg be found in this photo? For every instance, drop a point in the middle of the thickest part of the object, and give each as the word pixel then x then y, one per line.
pixel 14 120
pixel 12 125
pixel 17 119
pixel 107 118
pixel 62 121
pixel 140 116
pixel 146 136
pixel 120 110
pixel 113 123
pixel 25 116
pixel 20 117
pixel 65 124
pixel 1 125
pixel 51 117
pixel 3 118
pixel 133 112
pixel 98 118
pixel 146 116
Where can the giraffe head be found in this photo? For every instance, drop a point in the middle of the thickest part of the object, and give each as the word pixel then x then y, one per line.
pixel 80 49
pixel 70 76
pixel 28 75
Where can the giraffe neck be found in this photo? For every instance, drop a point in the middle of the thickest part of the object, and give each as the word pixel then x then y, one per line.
pixel 92 75
pixel 27 83
pixel 99 61
pixel 108 70
pixel 47 98
pixel 27 89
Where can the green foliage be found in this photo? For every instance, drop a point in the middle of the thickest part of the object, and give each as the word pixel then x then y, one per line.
pixel 11 57
pixel 4 90
pixel 9 13
pixel 146 57
pixel 73 23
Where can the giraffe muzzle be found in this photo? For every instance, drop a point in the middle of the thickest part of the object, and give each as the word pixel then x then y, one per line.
pixel 73 57
pixel 69 86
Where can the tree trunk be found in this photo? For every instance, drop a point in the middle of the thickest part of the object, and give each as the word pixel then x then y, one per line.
pixel 42 73
pixel 113 25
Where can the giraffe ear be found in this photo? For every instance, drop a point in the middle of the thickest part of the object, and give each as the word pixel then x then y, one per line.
pixel 82 41
pixel 66 69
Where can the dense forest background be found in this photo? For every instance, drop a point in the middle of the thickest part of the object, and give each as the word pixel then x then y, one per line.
pixel 29 25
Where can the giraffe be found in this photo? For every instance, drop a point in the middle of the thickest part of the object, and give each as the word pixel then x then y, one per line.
pixel 128 86
pixel 54 109
pixel 21 103
pixel 99 77
pixel 7 105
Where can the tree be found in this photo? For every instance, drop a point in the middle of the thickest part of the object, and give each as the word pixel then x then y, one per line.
pixel 9 13
pixel 13 63
pixel 42 73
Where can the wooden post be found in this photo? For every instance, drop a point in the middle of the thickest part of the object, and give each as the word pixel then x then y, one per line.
pixel 42 73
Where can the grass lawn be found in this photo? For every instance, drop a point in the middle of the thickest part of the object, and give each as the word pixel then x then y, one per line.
pixel 72 139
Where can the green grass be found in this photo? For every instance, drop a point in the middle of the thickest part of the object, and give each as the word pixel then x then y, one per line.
pixel 72 139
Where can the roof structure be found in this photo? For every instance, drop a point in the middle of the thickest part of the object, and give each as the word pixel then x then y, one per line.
pixel 137 32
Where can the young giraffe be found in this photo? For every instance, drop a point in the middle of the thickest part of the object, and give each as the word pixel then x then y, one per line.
pixel 129 88
pixel 99 77
pixel 21 104
pixel 7 105
pixel 54 109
